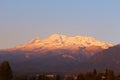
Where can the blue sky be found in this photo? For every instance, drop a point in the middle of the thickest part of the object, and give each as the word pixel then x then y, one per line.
pixel 22 20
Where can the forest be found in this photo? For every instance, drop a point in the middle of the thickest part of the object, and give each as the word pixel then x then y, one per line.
pixel 7 74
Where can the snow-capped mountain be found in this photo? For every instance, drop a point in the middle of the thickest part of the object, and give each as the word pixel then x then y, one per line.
pixel 55 52
pixel 57 41
pixel 65 46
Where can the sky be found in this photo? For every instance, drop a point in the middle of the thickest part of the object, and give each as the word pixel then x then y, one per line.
pixel 23 20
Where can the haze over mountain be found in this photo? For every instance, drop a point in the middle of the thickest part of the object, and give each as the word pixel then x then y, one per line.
pixel 58 53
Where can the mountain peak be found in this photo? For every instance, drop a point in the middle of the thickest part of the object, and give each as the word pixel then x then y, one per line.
pixel 57 36
pixel 58 41
pixel 35 40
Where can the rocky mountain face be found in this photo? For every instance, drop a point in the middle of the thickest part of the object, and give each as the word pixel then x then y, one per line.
pixel 58 53
pixel 109 58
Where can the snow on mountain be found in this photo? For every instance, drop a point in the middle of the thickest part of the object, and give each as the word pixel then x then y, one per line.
pixel 55 53
pixel 77 47
pixel 57 41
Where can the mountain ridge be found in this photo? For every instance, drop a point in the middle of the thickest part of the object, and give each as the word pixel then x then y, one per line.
pixel 62 41
pixel 55 53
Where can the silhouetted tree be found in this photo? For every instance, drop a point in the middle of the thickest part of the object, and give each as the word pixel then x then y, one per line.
pixel 5 71
pixel 42 77
pixel 80 76
pixel 19 78
pixel 109 74
pixel 58 77
pixel 94 72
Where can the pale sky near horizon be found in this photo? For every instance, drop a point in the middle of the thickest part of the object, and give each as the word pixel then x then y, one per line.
pixel 22 20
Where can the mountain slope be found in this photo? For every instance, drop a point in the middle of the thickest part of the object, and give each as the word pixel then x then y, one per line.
pixel 78 47
pixel 109 58
pixel 58 53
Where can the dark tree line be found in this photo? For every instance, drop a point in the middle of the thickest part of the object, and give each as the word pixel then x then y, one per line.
pixel 6 74
pixel 107 75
